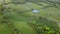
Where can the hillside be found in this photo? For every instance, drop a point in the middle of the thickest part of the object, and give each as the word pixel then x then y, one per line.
pixel 18 18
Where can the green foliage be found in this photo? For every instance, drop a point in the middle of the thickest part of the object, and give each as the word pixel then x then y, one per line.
pixel 19 1
pixel 44 26
pixel 14 18
pixel 43 29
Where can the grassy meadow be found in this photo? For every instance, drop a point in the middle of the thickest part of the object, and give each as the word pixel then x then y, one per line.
pixel 20 14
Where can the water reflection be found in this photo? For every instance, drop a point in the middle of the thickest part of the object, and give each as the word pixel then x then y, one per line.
pixel 35 11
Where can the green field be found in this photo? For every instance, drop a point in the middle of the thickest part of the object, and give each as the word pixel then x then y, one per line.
pixel 20 22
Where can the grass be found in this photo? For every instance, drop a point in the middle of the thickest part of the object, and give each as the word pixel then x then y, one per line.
pixel 4 29
pixel 24 28
pixel 50 12
pixel 20 22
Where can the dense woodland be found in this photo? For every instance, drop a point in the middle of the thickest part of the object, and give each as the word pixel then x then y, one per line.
pixel 16 17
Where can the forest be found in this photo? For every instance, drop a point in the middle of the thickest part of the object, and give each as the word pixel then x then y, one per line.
pixel 29 16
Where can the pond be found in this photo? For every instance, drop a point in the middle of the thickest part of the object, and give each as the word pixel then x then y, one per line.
pixel 35 11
